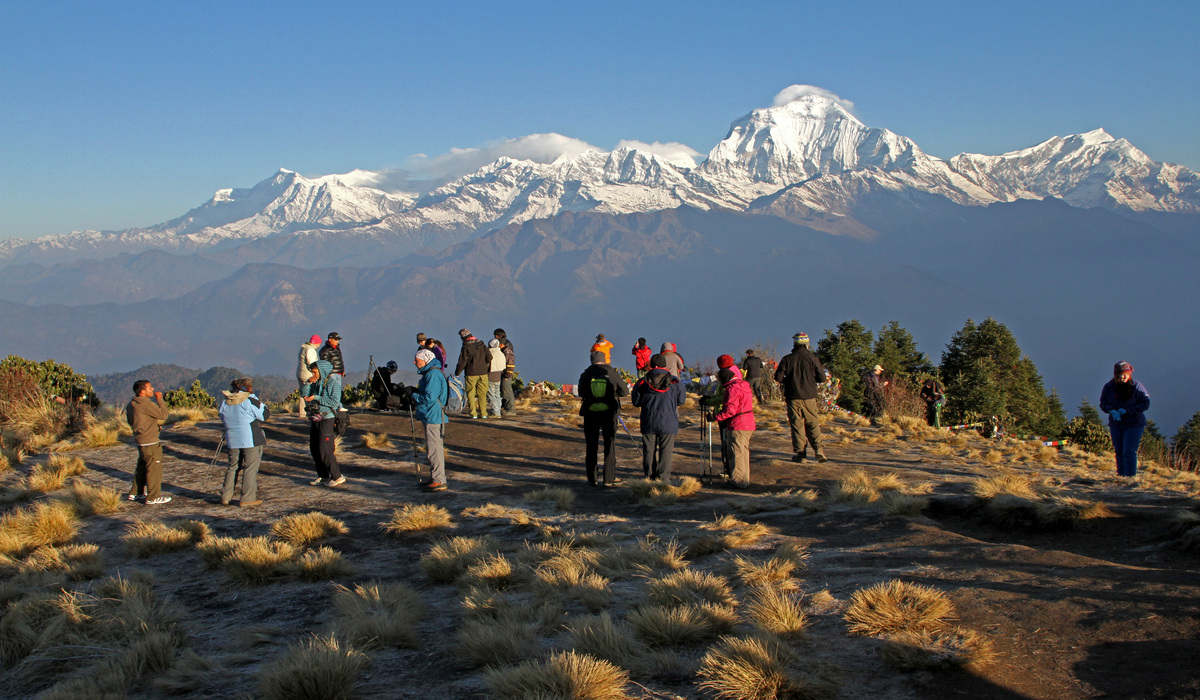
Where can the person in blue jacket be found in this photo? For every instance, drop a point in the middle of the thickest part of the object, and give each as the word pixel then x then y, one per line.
pixel 243 414
pixel 428 400
pixel 1125 401
pixel 324 399
pixel 659 394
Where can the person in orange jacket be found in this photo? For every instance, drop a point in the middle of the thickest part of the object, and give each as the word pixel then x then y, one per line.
pixel 604 346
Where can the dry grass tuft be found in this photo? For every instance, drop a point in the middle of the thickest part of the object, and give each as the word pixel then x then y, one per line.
pixel 1010 484
pixel 663 493
pixel 321 564
pixel 733 534
pixel 822 603
pixel 52 475
pixel 374 615
pixel 146 538
pixel 938 650
pixel 661 626
pixel 216 550
pixel 448 560
pixel 646 555
pixel 37 525
pixel 496 640
pixel 897 606
pixel 321 668
pixel 690 587
pixel 1047 455
pixel 302 529
pixel 79 562
pixel 807 499
pixel 518 517
pixel 599 636
pixel 563 675
pixel 1064 511
pixel 903 505
pixel 494 571
pixel 563 498
pixel 777 611
pixel 417 518
pixel 191 674
pixel 993 456
pixel 570 575
pixel 375 441
pixel 94 500
pixel 775 572
pixel 259 560
pixel 861 489
pixel 757 668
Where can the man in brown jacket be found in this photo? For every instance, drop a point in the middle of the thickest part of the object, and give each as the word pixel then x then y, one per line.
pixel 145 413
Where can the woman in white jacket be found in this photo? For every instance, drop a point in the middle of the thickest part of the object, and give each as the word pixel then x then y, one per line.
pixel 495 370
pixel 308 355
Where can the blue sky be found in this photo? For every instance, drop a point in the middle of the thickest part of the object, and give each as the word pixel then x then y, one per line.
pixel 125 114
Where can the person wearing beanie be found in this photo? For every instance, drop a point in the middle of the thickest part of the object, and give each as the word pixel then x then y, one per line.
pixel 603 345
pixel 430 395
pixel 673 359
pixel 641 357
pixel 800 374
pixel 495 371
pixel 508 400
pixel 475 361
pixel 659 395
pixel 736 421
pixel 752 370
pixel 323 394
pixel 385 392
pixel 421 338
pixel 308 355
pixel 600 389
pixel 1125 401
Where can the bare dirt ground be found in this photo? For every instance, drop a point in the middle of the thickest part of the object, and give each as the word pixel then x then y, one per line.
pixel 1109 608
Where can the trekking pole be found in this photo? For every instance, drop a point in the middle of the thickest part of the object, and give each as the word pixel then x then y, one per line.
pixel 636 444
pixel 412 424
pixel 213 464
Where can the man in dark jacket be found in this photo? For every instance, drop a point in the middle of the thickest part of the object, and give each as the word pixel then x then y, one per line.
pixel 934 396
pixel 474 359
pixel 659 395
pixel 331 352
pixel 508 400
pixel 600 387
pixel 800 373
pixel 752 369
pixel 873 394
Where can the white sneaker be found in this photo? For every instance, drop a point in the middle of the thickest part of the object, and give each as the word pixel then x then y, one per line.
pixel 316 482
pixel 158 501
pixel 136 497
pixel 337 482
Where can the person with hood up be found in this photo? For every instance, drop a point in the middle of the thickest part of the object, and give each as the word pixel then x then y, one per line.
pixel 673 359
pixel 430 396
pixel 800 374
pixel 1125 401
pixel 474 359
pixel 600 388
pixel 604 346
pixel 308 355
pixel 659 395
pixel 242 414
pixel 736 420
pixel 641 357
pixel 324 397
pixel 331 352
pixel 495 372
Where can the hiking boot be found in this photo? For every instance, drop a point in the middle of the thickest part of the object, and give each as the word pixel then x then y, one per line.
pixel 337 482
pixel 247 504
pixel 434 486
pixel 822 458
pixel 798 457
pixel 158 501
pixel 317 481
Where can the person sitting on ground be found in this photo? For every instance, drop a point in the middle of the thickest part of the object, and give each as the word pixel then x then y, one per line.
pixel 800 374
pixel 324 397
pixel 736 420
pixel 431 394
pixel 659 394
pixel 673 359
pixel 242 414
pixel 603 346
pixel 146 413
pixel 752 370
pixel 385 392
pixel 495 372
pixel 600 388
pixel 641 357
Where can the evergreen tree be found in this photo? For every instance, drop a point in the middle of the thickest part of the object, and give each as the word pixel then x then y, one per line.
pixel 1089 413
pixel 1187 440
pixel 846 352
pixel 896 350
pixel 985 374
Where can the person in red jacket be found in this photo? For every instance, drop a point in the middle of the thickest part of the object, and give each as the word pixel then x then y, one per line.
pixel 641 357
pixel 737 419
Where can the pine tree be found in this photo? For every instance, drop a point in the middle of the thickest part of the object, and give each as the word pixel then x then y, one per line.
pixel 1089 412
pixel 1186 442
pixel 896 350
pixel 986 375
pixel 846 352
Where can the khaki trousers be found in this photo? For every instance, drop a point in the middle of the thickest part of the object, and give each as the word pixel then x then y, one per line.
pixel 806 427
pixel 147 477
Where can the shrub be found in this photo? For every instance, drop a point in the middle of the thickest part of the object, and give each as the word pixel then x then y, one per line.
pixel 321 668
pixel 194 397
pixel 1088 435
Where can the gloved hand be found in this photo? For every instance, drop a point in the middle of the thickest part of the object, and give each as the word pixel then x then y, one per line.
pixel 1121 411
pixel 1115 415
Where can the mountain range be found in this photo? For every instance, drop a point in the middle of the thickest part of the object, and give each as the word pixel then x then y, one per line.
pixel 801 217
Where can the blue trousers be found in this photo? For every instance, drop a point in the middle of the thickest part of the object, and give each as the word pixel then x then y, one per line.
pixel 1125 444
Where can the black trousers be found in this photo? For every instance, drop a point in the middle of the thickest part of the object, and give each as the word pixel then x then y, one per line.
pixel 595 425
pixel 321 439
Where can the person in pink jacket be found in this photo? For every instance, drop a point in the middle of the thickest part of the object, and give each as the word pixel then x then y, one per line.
pixel 737 417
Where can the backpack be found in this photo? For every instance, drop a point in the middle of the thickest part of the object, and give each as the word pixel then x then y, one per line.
pixel 600 390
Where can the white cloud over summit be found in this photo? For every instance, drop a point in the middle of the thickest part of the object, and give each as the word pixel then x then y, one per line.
pixel 795 92
pixel 678 153
pixel 540 148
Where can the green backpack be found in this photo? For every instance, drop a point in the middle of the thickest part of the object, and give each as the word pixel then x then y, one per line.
pixel 600 389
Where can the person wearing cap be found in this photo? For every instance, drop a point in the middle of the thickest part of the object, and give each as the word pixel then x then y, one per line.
pixel 673 359
pixel 659 395
pixel 600 388
pixel 736 421
pixel 474 360
pixel 495 372
pixel 324 396
pixel 430 396
pixel 308 355
pixel 604 346
pixel 1125 401
pixel 641 357
pixel 508 400
pixel 242 414
pixel 331 352
pixel 801 374
pixel 873 384
pixel 752 370
pixel 421 338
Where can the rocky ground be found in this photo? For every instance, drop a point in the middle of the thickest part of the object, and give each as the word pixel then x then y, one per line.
pixel 1108 606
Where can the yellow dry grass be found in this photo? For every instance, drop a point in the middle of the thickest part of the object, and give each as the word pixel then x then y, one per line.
pixel 777 611
pixel 663 626
pixel 728 533
pixel 1011 483
pixel 646 555
pixel 563 675
pixel 563 498
pixel 569 575
pixel 518 517
pixel 775 572
pixel 87 499
pixel 493 571
pixel 690 587
pixel 374 614
pixel 448 560
pixel 184 416
pixel 321 564
pixel 897 606
pixel 375 441
pixel 663 493
pixel 259 560
pixel 146 538
pixel 601 637
pixel 322 668
pixel 78 562
pixel 496 640
pixel 302 529
pixel 938 650
pixel 37 525
pixel 53 475
pixel 807 499
pixel 413 518
pixel 761 668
